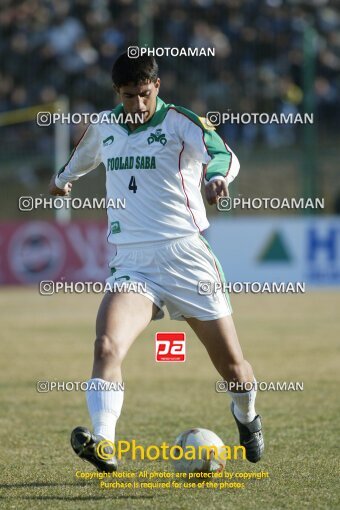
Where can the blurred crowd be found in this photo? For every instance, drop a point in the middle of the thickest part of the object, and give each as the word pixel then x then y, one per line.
pixel 50 48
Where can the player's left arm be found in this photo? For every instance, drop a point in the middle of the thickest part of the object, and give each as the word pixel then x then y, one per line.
pixel 222 168
pixel 221 164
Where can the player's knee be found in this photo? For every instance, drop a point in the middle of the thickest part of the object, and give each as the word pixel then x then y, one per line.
pixel 105 347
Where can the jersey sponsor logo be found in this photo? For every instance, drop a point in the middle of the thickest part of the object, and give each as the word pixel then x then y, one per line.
pixel 131 162
pixel 115 227
pixel 170 346
pixel 158 136
pixel 108 141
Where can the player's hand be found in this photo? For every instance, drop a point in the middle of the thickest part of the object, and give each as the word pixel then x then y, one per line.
pixel 55 191
pixel 216 189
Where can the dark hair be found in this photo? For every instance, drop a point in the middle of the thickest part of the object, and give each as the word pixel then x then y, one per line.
pixel 134 70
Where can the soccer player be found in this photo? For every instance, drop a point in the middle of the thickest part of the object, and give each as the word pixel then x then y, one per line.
pixel 157 164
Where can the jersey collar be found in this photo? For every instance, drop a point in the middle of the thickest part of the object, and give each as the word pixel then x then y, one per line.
pixel 157 118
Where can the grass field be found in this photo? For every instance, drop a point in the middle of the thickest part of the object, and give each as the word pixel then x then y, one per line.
pixel 286 337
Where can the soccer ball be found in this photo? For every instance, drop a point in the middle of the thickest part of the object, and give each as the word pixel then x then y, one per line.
pixel 189 458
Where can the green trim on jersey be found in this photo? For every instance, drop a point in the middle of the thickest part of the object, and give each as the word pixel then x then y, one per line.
pixel 157 118
pixel 217 150
pixel 219 267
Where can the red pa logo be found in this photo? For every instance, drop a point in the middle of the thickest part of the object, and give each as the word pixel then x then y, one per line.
pixel 170 346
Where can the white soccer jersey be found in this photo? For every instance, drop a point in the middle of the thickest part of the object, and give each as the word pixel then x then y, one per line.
pixel 157 169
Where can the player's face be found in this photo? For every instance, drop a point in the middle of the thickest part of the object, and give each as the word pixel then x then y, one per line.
pixel 140 99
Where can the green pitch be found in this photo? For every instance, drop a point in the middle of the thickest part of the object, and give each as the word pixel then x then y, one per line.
pixel 286 338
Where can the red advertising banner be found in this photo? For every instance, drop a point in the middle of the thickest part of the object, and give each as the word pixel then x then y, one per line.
pixel 32 251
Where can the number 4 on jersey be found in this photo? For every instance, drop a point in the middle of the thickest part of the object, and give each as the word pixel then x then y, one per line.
pixel 132 184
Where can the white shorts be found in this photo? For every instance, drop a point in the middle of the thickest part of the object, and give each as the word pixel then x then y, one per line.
pixel 170 272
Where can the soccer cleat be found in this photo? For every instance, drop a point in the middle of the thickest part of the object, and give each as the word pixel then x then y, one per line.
pixel 84 443
pixel 251 437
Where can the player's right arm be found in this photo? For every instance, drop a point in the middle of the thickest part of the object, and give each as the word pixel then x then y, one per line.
pixel 85 157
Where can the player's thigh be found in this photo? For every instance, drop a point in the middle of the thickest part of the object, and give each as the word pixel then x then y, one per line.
pixel 219 338
pixel 123 316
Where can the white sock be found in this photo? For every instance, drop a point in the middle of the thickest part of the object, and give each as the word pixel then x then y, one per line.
pixel 104 408
pixel 244 405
